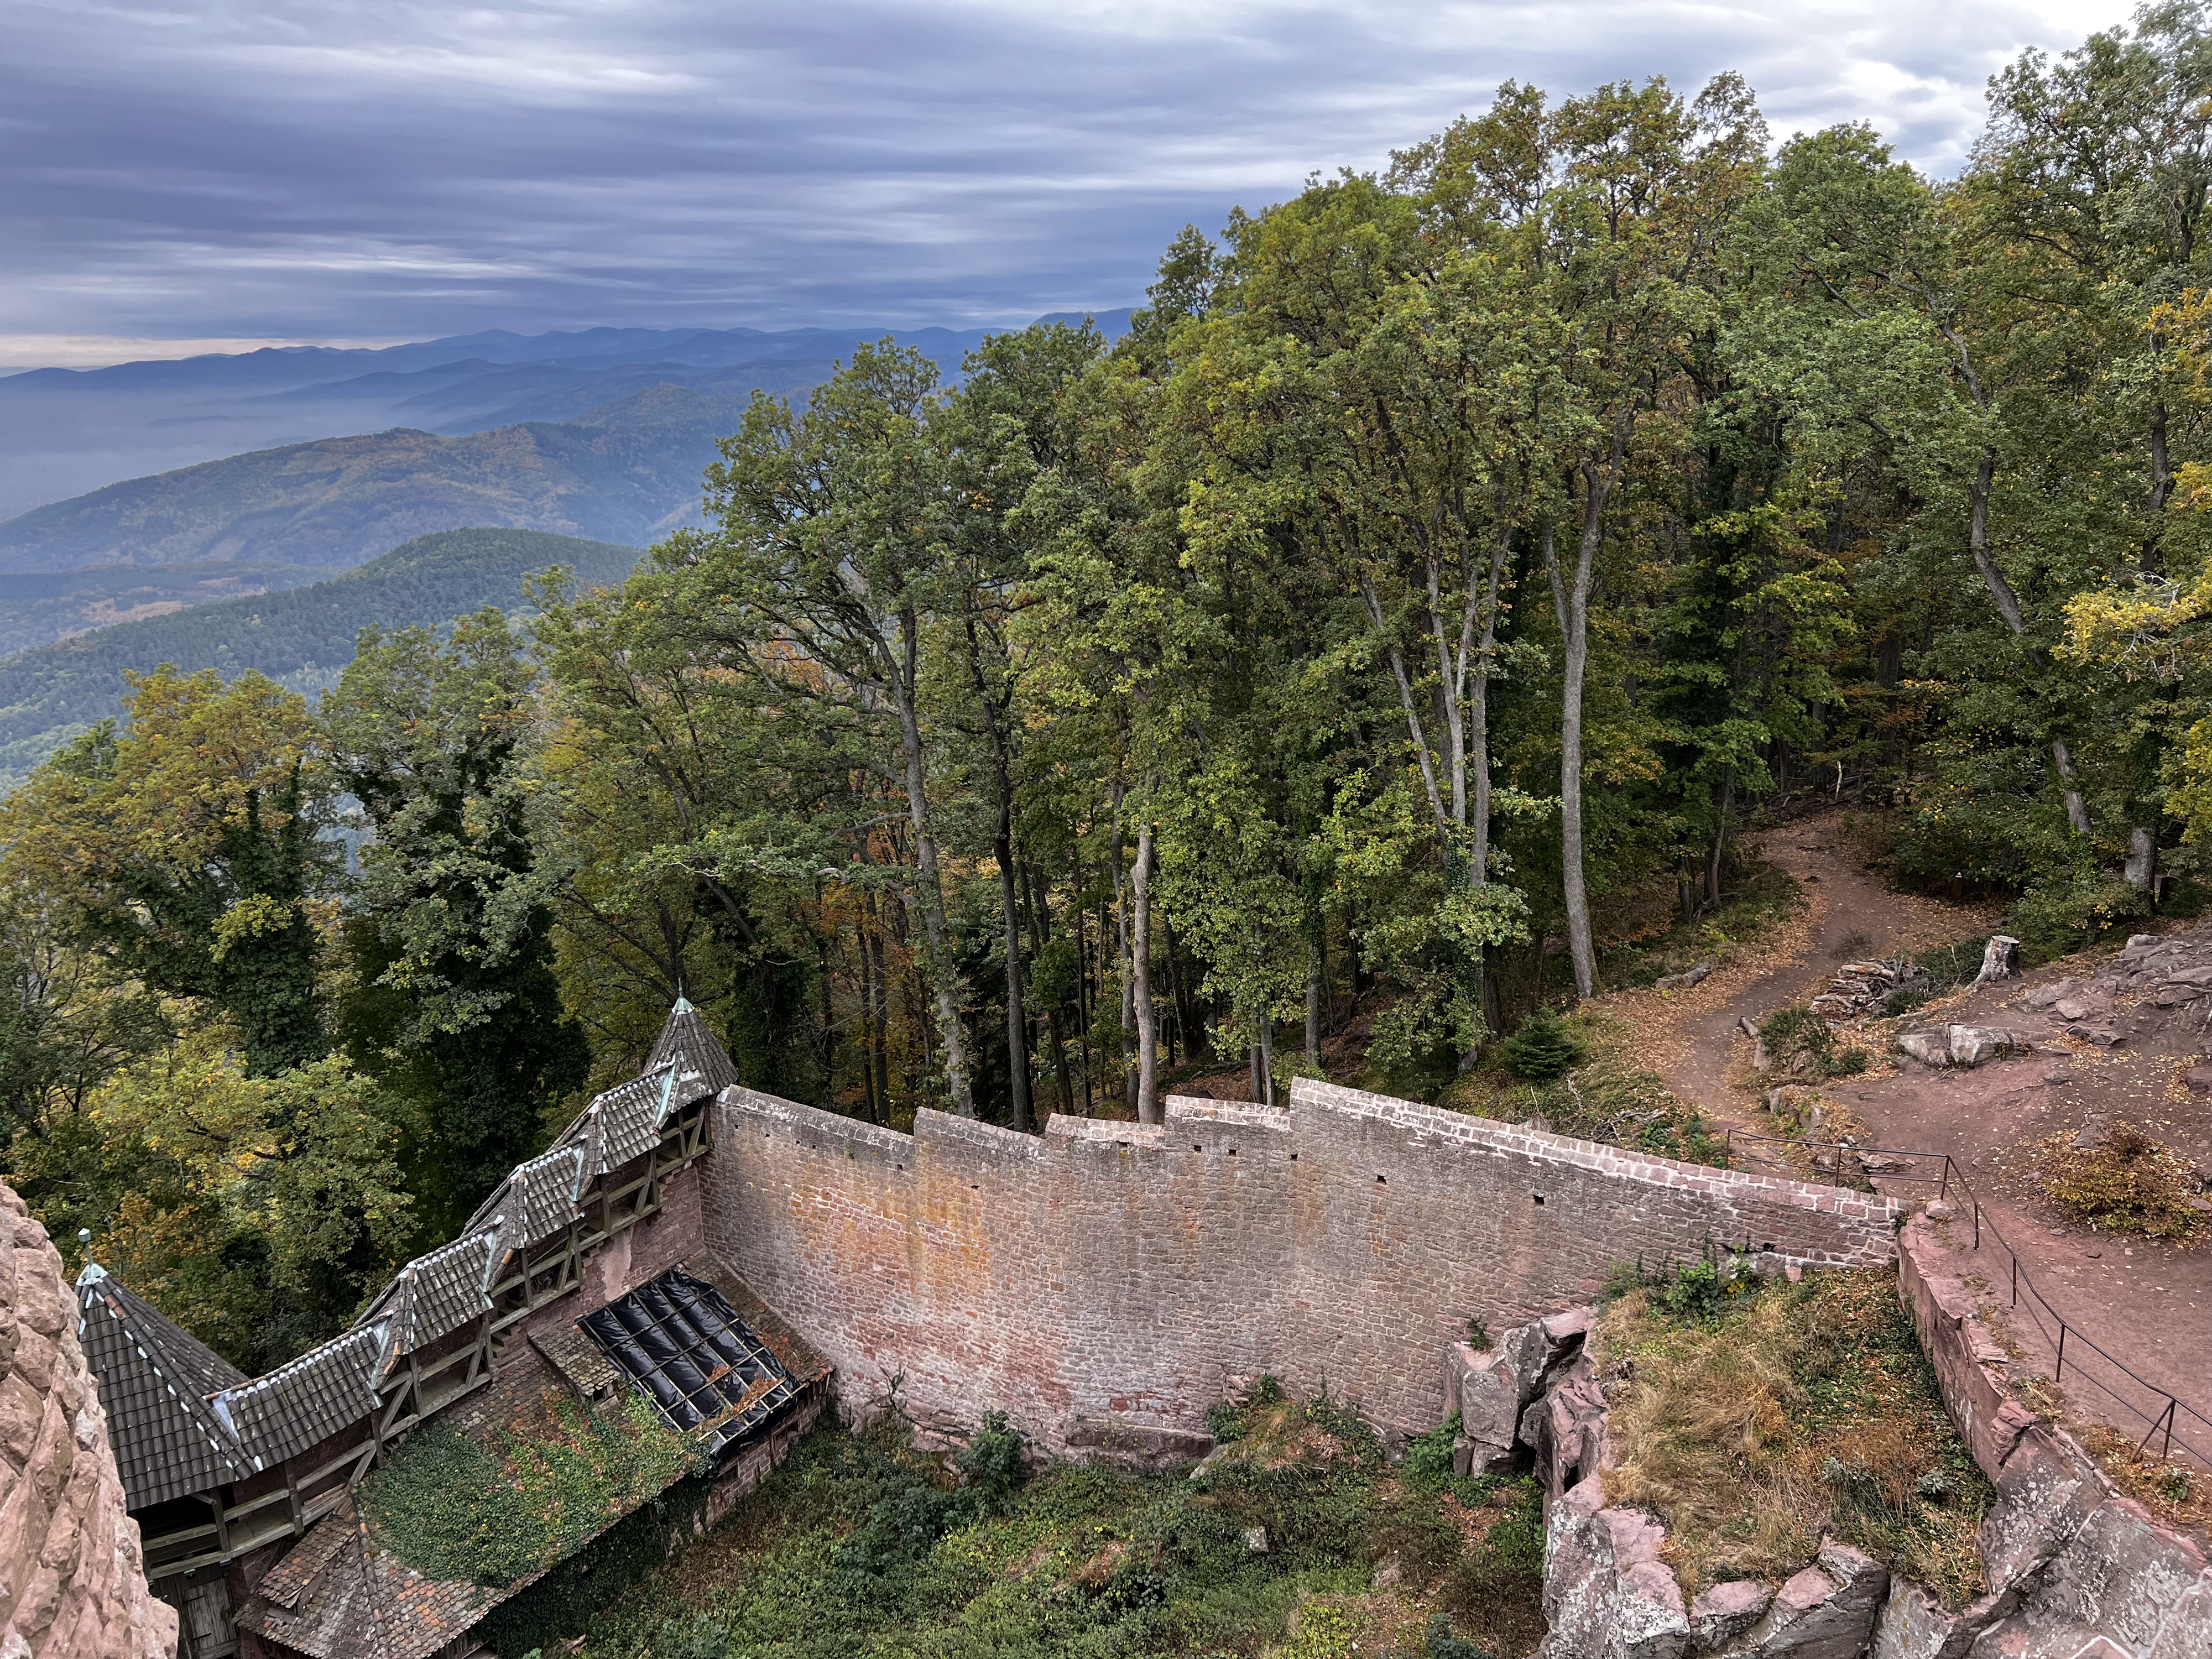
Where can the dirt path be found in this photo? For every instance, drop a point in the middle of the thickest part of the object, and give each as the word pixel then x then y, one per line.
pixel 2146 1303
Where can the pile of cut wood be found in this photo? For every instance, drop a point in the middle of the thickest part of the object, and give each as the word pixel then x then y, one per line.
pixel 1862 988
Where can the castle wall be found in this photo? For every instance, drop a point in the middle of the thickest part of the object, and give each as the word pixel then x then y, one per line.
pixel 1102 1283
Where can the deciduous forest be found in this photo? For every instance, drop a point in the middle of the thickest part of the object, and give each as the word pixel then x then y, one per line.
pixel 1446 569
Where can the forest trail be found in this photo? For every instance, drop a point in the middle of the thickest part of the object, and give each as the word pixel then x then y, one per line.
pixel 2145 1303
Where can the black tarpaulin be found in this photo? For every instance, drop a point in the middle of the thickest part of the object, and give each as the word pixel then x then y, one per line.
pixel 680 1340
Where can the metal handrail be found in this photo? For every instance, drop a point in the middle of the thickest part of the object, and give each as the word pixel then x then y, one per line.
pixel 2194 1436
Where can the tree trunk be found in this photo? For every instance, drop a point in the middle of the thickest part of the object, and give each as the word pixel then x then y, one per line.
pixel 1148 1045
pixel 929 888
pixel 1266 1053
pixel 1316 971
pixel 1121 945
pixel 1725 805
pixel 2141 867
pixel 1002 846
pixel 2009 607
pixel 1040 936
pixel 1018 1039
pixel 1573 607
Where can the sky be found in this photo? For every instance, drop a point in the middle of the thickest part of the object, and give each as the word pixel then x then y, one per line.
pixel 217 174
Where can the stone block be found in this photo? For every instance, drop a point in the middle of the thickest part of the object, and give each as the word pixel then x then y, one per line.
pixel 1490 1401
pixel 1725 1612
pixel 1972 1045
pixel 1606 1591
pixel 1929 1047
pixel 1826 1612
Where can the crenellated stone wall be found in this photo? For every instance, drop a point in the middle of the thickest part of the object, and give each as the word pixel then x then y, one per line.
pixel 1102 1283
pixel 72 1584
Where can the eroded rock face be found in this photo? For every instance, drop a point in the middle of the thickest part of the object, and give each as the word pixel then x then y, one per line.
pixel 1494 1391
pixel 1726 1611
pixel 1826 1612
pixel 1607 1593
pixel 72 1582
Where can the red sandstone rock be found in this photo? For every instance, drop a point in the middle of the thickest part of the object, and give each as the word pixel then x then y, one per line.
pixel 1726 1612
pixel 72 1582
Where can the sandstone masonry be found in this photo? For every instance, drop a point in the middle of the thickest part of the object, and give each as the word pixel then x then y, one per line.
pixel 1102 1283
pixel 72 1584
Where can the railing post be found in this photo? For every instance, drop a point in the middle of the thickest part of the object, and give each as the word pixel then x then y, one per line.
pixel 1943 1187
pixel 2016 1281
pixel 1978 1224
pixel 2059 1370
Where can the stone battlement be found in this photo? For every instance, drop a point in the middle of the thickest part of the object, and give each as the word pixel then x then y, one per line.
pixel 1108 1279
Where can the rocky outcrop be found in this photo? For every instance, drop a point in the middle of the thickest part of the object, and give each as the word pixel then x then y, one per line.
pixel 72 1582
pixel 2069 1561
pixel 1826 1612
pixel 2072 1566
pixel 1607 1593
pixel 1491 1390
pixel 1962 1045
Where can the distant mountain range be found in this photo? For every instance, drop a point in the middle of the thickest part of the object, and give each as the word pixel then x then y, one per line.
pixel 66 431
pixel 627 471
pixel 302 637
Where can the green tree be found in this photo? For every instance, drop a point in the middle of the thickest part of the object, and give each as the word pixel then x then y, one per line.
pixel 457 1006
pixel 188 853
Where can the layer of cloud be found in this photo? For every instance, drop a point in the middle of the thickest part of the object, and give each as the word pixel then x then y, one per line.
pixel 242 169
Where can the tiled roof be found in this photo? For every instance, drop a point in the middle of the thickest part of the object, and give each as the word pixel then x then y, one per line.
pixel 686 1039
pixel 187 1421
pixel 154 1380
pixel 630 1116
pixel 306 1400
pixel 338 1596
pixel 535 1201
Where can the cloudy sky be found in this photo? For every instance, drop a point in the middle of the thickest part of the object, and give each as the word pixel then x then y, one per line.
pixel 198 173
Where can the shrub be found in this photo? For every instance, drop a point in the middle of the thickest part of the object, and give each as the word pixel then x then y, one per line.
pixel 2126 1181
pixel 993 1461
pixel 1543 1048
pixel 2057 919
pixel 1443 1644
pixel 1850 1062
pixel 1225 1422
pixel 1798 1041
pixel 1477 1334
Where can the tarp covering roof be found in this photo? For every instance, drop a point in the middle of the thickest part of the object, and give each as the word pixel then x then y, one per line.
pixel 679 1340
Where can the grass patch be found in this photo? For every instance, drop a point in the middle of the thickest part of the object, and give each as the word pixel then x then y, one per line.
pixel 1297 1538
pixel 2126 1182
pixel 1609 1097
pixel 1755 1424
pixel 493 1514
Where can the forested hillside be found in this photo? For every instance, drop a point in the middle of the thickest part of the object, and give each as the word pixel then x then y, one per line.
pixel 1442 572
pixel 49 695
pixel 626 472
pixel 42 606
